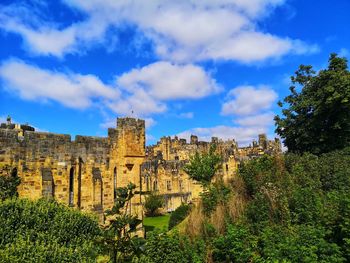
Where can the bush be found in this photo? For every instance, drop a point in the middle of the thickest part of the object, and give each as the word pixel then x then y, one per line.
pixel 237 245
pixel 162 247
pixel 152 204
pixel 45 231
pixel 8 183
pixel 179 215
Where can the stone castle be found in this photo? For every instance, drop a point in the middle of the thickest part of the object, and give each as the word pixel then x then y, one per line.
pixel 85 172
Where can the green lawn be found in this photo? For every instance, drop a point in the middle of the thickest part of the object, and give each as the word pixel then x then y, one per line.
pixel 157 222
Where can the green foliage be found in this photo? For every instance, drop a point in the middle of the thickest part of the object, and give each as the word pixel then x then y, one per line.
pixel 152 204
pixel 299 208
pixel 179 215
pixel 300 243
pixel 162 247
pixel 202 167
pixel 317 118
pixel 237 245
pixel 118 238
pixel 45 231
pixel 8 183
pixel 213 195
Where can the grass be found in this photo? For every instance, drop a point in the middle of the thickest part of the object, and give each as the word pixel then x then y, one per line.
pixel 157 222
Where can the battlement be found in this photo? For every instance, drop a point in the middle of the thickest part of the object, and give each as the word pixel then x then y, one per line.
pixel 128 122
pixel 33 136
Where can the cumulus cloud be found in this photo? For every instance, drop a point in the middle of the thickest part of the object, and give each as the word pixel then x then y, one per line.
pixel 249 106
pixel 259 120
pixel 247 100
pixel 180 30
pixel 72 90
pixel 146 90
pixel 141 92
pixel 167 81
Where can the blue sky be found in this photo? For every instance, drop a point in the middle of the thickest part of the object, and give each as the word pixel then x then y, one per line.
pixel 209 67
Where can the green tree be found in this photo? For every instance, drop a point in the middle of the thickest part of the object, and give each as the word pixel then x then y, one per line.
pixel 316 115
pixel 202 167
pixel 118 237
pixel 152 204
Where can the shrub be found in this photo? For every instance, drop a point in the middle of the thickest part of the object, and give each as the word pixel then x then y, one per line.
pixel 162 247
pixel 152 204
pixel 45 231
pixel 8 183
pixel 179 215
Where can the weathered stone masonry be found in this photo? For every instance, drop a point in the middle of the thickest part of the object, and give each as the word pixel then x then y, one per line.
pixel 83 173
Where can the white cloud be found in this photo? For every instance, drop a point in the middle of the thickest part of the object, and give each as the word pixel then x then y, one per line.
pixel 139 93
pixel 167 81
pixel 249 106
pixel 146 90
pixel 259 120
pixel 181 30
pixel 248 100
pixel 72 90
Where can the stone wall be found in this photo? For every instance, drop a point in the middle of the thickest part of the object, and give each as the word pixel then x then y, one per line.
pixel 82 173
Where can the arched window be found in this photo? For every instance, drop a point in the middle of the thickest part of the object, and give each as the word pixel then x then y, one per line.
pixel 115 182
pixel 71 187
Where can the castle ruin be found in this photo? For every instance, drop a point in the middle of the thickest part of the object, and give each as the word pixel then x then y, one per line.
pixel 85 172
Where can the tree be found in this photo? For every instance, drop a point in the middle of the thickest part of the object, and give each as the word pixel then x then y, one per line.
pixel 316 118
pixel 152 203
pixel 118 237
pixel 202 167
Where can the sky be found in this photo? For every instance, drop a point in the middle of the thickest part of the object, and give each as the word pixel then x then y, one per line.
pixel 204 67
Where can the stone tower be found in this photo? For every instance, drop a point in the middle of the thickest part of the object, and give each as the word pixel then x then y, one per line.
pixel 129 155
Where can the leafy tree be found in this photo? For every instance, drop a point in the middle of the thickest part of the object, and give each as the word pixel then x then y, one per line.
pixel 202 167
pixel 45 231
pixel 118 235
pixel 9 182
pixel 316 118
pixel 152 204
